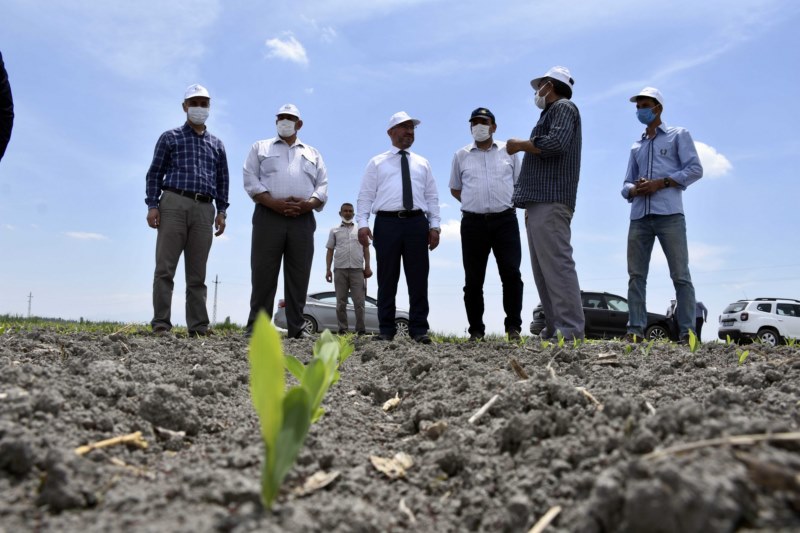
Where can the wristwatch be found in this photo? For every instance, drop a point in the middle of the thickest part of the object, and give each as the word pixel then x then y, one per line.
pixel 667 182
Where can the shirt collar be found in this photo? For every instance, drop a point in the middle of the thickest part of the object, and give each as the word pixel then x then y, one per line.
pixel 395 150
pixel 187 128
pixel 662 127
pixel 474 146
pixel 297 142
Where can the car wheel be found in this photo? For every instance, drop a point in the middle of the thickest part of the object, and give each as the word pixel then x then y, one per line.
pixel 402 327
pixel 768 336
pixel 656 332
pixel 309 325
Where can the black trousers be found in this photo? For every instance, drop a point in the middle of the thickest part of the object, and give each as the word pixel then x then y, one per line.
pixel 277 239
pixel 403 239
pixel 480 236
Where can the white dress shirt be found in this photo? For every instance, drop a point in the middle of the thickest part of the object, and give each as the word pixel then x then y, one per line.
pixel 281 170
pixel 485 178
pixel 382 187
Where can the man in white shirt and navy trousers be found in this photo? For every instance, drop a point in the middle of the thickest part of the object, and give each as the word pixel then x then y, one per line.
pixel 398 187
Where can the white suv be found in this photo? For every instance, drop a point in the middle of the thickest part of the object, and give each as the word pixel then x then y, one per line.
pixel 770 320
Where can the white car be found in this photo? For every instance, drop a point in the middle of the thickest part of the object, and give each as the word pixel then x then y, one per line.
pixel 769 320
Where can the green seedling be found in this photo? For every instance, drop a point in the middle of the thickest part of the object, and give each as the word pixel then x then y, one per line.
pixel 742 356
pixel 728 340
pixel 694 342
pixel 790 341
pixel 647 347
pixel 628 348
pixel 285 416
pixel 576 342
pixel 546 344
pixel 560 337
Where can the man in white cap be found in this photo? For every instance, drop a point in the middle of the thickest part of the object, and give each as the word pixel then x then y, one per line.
pixel 662 163
pixel 288 181
pixel 189 171
pixel 398 187
pixel 482 178
pixel 547 189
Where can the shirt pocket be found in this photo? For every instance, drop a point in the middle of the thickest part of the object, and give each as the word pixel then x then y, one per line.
pixel 269 165
pixel 308 166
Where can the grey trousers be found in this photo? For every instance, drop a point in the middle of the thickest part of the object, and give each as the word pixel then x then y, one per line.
pixel 187 228
pixel 554 272
pixel 277 239
pixel 349 281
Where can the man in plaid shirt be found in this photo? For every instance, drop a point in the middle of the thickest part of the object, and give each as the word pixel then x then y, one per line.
pixel 189 171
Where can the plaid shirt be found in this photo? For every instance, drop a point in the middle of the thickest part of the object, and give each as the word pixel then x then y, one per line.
pixel 190 162
pixel 552 176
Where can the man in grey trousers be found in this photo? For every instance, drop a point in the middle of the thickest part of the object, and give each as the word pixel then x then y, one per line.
pixel 546 189
pixel 287 180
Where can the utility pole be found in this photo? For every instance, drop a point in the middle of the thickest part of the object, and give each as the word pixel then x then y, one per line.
pixel 30 297
pixel 214 313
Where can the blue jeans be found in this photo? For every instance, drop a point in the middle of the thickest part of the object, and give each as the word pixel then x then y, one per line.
pixel 671 233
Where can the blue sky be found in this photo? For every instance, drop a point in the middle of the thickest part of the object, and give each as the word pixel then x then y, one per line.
pixel 95 83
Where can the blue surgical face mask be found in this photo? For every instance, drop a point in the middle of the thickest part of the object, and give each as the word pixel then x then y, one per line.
pixel 645 115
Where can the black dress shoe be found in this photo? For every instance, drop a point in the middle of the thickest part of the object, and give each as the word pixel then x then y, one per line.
pixel 514 335
pixel 361 333
pixel 342 332
pixel 422 339
pixel 475 337
pixel 384 337
pixel 303 335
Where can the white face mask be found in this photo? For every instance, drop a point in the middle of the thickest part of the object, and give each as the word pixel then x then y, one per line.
pixel 541 100
pixel 286 128
pixel 198 115
pixel 347 220
pixel 480 132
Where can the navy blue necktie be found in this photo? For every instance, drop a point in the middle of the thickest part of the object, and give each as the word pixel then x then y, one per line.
pixel 408 198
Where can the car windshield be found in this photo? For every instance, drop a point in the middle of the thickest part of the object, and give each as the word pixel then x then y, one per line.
pixel 735 307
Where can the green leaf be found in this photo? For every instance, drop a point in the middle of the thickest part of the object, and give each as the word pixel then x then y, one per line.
pixel 293 431
pixel 317 415
pixel 693 343
pixel 267 381
pixel 294 366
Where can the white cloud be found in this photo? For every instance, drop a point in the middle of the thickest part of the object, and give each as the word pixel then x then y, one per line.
pixel 451 230
pixel 9 227
pixel 715 165
pixel 86 236
pixel 288 48
pixel 309 90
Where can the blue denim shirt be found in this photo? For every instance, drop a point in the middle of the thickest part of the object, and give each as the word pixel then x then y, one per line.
pixel 670 154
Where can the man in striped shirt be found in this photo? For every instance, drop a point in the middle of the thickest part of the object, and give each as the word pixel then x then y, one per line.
pixel 482 179
pixel 546 189
pixel 189 171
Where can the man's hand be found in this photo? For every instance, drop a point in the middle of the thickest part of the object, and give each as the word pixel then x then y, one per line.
pixel 513 146
pixel 219 224
pixel 153 217
pixel 433 239
pixel 364 236
pixel 328 276
pixel 646 187
pixel 367 272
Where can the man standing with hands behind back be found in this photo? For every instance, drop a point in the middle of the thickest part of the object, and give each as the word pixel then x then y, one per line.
pixel 398 186
pixel 547 188
pixel 188 172
pixel 482 179
pixel 287 180
pixel 662 163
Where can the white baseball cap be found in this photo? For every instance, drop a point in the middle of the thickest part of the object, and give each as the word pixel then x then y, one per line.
pixel 195 90
pixel 399 118
pixel 557 73
pixel 288 109
pixel 650 92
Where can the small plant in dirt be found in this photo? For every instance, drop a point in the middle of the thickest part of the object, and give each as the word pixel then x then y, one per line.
pixel 646 347
pixel 286 415
pixel 694 342
pixel 560 337
pixel 742 356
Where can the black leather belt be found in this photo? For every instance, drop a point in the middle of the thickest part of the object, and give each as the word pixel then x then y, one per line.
pixel 196 196
pixel 509 211
pixel 400 214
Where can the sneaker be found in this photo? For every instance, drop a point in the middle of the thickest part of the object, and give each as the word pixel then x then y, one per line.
pixel 422 339
pixel 303 335
pixel 684 341
pixel 199 333
pixel 633 338
pixel 384 337
pixel 475 337
pixel 361 333
pixel 161 331
pixel 342 332
pixel 514 335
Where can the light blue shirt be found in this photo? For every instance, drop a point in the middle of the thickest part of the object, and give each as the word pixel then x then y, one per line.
pixel 670 154
pixel 485 178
